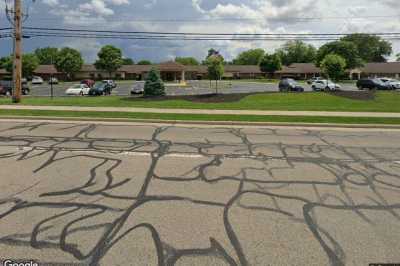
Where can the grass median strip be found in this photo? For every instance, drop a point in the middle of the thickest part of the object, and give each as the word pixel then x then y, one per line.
pixel 383 102
pixel 201 117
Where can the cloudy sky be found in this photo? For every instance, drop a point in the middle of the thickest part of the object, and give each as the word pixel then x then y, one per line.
pixel 211 16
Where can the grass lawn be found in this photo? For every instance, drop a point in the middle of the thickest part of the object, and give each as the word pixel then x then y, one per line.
pixel 383 102
pixel 200 117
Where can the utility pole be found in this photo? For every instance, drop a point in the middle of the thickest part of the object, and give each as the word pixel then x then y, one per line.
pixel 17 73
pixel 16 18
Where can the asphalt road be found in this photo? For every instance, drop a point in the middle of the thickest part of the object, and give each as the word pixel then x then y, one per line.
pixel 148 194
pixel 195 87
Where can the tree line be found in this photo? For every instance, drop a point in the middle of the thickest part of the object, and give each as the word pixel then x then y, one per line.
pixel 69 61
pixel 334 57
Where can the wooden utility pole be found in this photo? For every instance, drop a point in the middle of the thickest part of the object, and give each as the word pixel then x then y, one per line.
pixel 17 73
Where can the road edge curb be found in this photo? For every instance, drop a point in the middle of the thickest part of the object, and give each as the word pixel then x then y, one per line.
pixel 194 122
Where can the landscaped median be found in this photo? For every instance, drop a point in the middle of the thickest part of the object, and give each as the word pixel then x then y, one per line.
pixel 299 108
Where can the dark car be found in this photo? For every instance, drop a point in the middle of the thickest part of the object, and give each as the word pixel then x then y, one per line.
pixel 111 83
pixel 6 87
pixel 288 85
pixel 88 82
pixel 372 84
pixel 100 88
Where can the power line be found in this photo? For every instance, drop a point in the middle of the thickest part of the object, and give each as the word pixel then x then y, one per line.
pixel 211 20
pixel 189 36
pixel 201 34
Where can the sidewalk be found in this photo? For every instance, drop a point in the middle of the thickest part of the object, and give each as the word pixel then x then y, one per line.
pixel 200 111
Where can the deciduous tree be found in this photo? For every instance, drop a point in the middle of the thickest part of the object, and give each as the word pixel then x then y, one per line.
pixel 187 61
pixel 215 68
pixel 29 63
pixel 144 62
pixel 47 55
pixel 69 61
pixel 109 59
pixel 297 52
pixel 127 61
pixel 249 57
pixel 371 48
pixel 271 63
pixel 347 50
pixel 333 66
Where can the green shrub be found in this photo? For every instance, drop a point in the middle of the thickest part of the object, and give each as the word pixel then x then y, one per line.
pixel 154 86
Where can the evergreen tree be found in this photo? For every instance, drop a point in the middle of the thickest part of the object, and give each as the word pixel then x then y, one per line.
pixel 154 86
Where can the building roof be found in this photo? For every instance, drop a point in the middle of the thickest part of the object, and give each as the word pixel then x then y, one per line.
pixel 135 69
pixel 46 69
pixel 382 68
pixel 246 69
pixel 166 66
pixel 300 68
pixel 88 68
pixel 170 66
pixel 199 69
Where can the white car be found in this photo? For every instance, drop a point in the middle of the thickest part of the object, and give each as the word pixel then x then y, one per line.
pixel 78 89
pixel 37 81
pixel 324 84
pixel 53 80
pixel 394 83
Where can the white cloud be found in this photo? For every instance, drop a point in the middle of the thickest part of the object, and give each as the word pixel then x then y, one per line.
pixel 51 3
pixel 215 16
pixel 98 7
pixel 118 2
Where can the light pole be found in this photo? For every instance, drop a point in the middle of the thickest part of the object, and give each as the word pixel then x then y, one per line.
pixel 51 80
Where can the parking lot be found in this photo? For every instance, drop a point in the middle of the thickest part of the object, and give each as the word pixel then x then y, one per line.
pixel 193 88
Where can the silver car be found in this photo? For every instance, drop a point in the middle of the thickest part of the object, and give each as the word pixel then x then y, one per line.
pixel 138 88
pixel 320 85
pixel 393 83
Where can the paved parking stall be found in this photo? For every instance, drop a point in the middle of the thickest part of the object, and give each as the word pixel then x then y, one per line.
pixel 195 87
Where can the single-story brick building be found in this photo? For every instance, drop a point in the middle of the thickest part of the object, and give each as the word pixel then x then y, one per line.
pixel 373 70
pixel 172 71
pixel 369 70
pixel 299 71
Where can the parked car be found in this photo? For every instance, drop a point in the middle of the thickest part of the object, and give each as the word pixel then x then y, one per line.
pixel 53 80
pixel 7 87
pixel 312 80
pixel 100 88
pixel 111 83
pixel 324 84
pixel 393 83
pixel 372 84
pixel 78 89
pixel 288 85
pixel 37 80
pixel 138 88
pixel 88 82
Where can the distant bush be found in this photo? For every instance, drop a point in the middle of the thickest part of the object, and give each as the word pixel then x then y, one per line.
pixel 154 86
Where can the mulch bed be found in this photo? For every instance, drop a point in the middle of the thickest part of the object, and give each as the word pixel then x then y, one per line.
pixel 203 98
pixel 235 97
pixel 355 95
